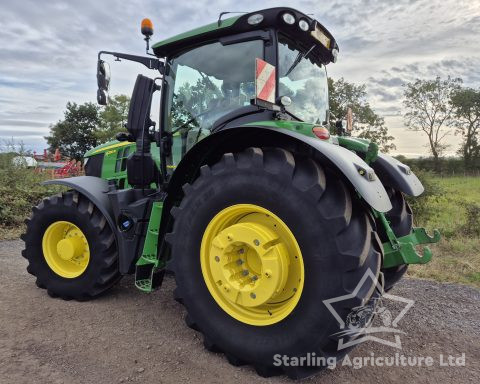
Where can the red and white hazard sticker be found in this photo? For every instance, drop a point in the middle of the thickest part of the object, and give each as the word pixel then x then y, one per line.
pixel 265 81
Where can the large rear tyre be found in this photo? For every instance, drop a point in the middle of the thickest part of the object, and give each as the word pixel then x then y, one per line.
pixel 259 241
pixel 70 248
pixel 401 222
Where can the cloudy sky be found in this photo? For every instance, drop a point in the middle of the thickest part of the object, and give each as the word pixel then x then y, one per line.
pixel 48 51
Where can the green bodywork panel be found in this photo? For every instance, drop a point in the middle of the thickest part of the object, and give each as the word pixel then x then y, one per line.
pixel 115 154
pixel 197 31
pixel 149 259
pixel 109 145
pixel 356 144
pixel 295 126
pixel 361 146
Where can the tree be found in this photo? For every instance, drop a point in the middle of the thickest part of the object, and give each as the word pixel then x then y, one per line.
pixel 366 123
pixel 113 118
pixel 76 133
pixel 466 105
pixel 429 109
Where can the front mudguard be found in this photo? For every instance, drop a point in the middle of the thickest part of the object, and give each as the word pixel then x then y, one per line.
pixel 92 187
pixel 95 189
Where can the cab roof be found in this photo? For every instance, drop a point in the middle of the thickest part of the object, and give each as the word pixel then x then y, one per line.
pixel 317 34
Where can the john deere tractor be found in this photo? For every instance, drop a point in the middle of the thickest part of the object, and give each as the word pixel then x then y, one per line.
pixel 259 202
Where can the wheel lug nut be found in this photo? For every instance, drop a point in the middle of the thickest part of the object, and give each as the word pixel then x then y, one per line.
pixel 252 295
pixel 226 288
pixel 245 272
pixel 239 262
pixel 254 278
pixel 217 259
pixel 241 251
pixel 256 242
pixel 268 273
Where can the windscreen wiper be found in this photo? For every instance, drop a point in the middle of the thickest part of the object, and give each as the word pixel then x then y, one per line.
pixel 298 59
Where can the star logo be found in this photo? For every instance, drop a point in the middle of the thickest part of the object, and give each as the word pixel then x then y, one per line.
pixel 358 326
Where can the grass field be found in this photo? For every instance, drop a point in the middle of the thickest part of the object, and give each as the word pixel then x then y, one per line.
pixel 453 208
pixel 450 204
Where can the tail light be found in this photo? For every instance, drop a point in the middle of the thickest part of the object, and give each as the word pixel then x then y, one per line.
pixel 321 132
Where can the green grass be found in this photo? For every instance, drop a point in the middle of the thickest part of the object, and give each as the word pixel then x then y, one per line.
pixel 448 209
pixel 454 208
pixel 455 260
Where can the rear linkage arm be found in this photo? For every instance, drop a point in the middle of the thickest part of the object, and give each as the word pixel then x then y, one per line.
pixel 401 250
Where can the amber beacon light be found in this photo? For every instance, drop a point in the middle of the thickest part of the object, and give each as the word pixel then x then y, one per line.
pixel 147 27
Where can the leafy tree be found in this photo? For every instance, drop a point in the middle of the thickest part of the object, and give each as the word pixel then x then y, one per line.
pixel 466 104
pixel 429 109
pixel 113 118
pixel 76 133
pixel 366 123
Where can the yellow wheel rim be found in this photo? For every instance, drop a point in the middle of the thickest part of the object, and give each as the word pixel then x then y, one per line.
pixel 65 249
pixel 252 264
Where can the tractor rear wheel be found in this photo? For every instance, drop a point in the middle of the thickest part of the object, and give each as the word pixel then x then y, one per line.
pixel 401 222
pixel 259 241
pixel 70 248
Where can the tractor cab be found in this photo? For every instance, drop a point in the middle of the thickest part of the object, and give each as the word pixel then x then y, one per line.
pixel 266 66
pixel 263 66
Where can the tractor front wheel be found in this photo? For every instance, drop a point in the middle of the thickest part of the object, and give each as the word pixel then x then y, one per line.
pixel 259 241
pixel 70 248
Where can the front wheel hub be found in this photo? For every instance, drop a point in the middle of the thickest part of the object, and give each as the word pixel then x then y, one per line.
pixel 65 249
pixel 252 264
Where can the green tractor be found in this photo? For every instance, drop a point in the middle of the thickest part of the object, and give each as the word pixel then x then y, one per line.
pixel 258 203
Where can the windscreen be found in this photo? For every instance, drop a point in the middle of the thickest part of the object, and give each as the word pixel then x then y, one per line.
pixel 305 83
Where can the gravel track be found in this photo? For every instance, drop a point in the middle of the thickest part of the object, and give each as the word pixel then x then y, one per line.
pixel 128 336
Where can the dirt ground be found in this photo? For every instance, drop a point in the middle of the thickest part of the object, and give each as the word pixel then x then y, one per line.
pixel 128 336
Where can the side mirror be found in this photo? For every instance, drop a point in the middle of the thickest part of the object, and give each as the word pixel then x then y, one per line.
pixel 103 82
pixel 349 120
pixel 102 97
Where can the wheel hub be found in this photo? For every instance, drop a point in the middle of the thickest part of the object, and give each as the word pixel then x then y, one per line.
pixel 65 249
pixel 252 264
pixel 70 248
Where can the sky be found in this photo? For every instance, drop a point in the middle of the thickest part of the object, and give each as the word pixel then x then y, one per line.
pixel 49 50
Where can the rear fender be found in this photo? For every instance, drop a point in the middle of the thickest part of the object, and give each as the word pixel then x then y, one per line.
pixel 208 151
